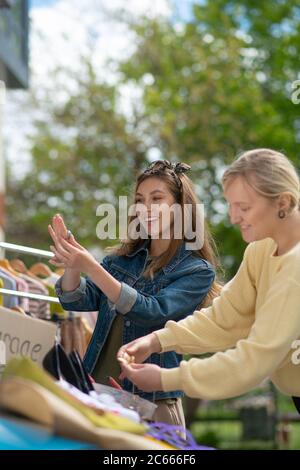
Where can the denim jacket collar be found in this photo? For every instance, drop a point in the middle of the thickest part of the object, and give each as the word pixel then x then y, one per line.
pixel 144 246
pixel 181 254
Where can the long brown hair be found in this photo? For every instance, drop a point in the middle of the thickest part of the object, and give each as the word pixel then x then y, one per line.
pixel 182 189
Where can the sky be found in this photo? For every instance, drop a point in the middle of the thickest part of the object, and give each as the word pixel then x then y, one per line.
pixel 183 6
pixel 61 30
pixel 41 3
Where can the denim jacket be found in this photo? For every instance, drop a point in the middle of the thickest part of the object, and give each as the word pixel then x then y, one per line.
pixel 146 305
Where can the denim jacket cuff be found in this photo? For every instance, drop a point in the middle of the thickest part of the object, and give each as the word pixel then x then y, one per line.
pixel 126 300
pixel 73 295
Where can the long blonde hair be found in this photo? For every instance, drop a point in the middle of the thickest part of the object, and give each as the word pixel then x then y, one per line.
pixel 181 187
pixel 268 172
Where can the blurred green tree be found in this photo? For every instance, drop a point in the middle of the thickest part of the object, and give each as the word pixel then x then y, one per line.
pixel 215 86
pixel 84 153
pixel 209 88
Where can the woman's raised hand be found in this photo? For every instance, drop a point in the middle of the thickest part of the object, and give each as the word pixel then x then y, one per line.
pixel 66 249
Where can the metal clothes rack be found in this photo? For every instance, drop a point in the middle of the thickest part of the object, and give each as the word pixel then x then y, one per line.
pixel 29 295
pixel 26 249
pixel 29 251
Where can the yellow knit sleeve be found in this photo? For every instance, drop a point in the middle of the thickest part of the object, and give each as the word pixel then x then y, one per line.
pixel 236 371
pixel 220 326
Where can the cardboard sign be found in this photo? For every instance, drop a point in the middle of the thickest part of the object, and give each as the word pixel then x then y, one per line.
pixel 22 335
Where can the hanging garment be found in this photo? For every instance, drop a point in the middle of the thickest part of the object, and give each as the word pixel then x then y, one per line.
pixel 88 332
pixel 72 335
pixel 51 280
pixel 22 286
pixel 40 270
pixel 55 309
pixel 1 296
pixel 9 301
pixel 19 310
pixel 90 317
pixel 38 308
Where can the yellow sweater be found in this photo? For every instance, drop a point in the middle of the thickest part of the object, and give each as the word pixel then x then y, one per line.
pixel 251 327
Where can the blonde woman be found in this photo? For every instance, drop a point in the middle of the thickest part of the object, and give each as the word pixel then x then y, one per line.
pixel 254 325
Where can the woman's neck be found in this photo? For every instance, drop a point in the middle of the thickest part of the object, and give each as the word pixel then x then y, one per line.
pixel 158 246
pixel 288 234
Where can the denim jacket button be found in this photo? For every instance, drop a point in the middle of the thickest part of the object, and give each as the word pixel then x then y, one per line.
pixel 127 323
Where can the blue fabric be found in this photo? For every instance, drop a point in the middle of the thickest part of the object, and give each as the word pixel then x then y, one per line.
pixel 9 301
pixel 18 434
pixel 175 292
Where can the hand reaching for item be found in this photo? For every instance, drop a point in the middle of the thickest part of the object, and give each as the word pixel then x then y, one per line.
pixel 146 377
pixel 68 253
pixel 138 350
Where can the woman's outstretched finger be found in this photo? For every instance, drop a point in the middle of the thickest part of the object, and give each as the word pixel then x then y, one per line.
pixel 58 256
pixel 66 245
pixel 57 264
pixel 58 246
pixel 73 242
pixel 59 226
pixel 52 233
pixel 126 369
pixel 63 247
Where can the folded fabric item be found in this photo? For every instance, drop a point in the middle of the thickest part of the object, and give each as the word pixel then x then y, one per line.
pixel 28 370
pixel 145 408
pixel 102 402
pixel 38 404
pixel 172 435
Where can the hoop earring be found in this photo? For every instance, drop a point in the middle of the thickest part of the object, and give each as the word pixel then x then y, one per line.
pixel 281 214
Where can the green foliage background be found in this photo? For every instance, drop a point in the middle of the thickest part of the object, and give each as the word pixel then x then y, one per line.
pixel 209 88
